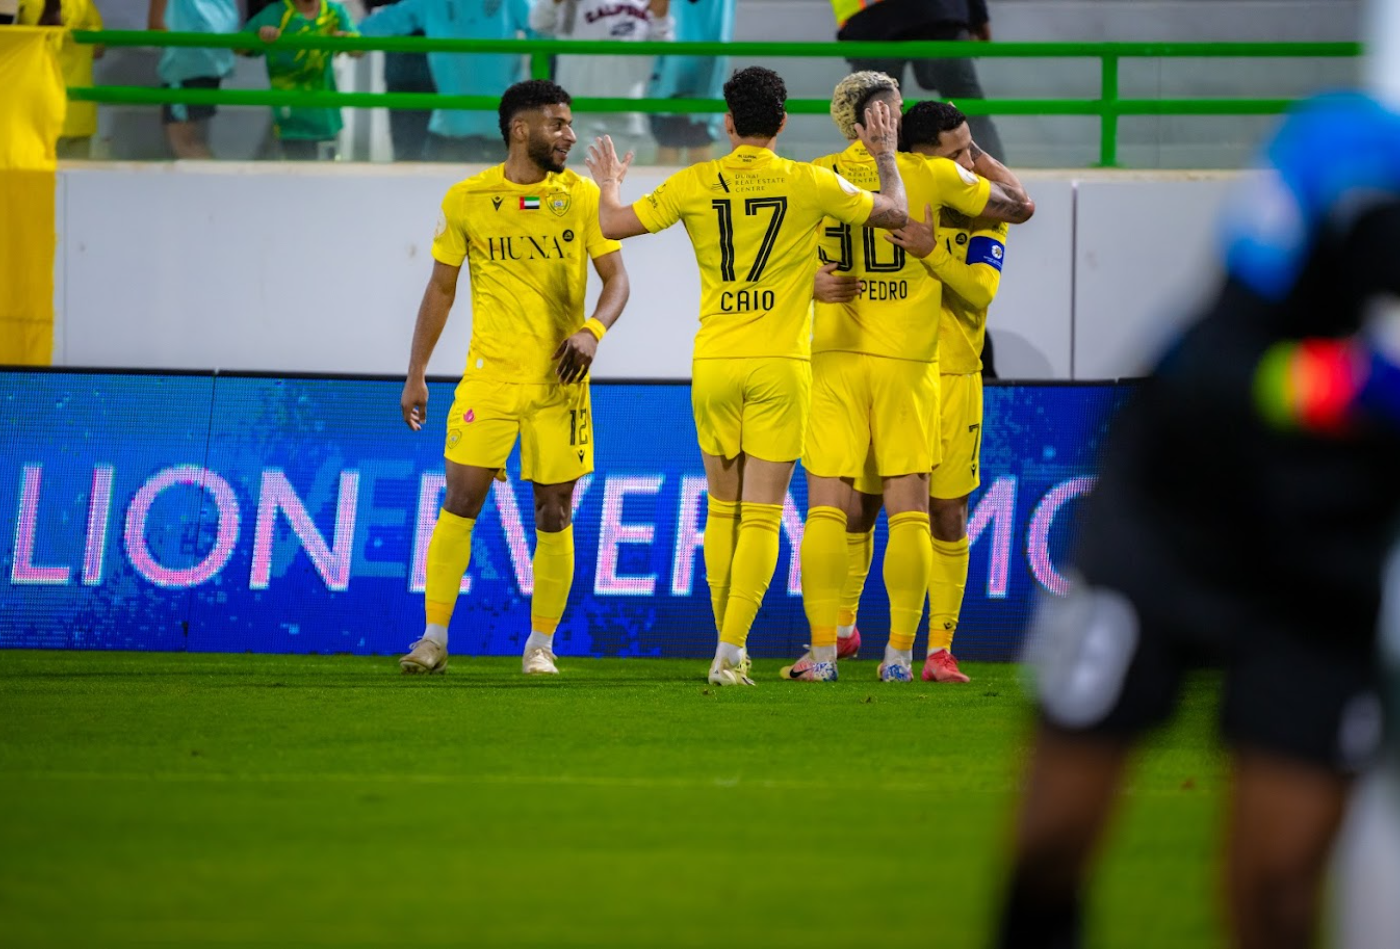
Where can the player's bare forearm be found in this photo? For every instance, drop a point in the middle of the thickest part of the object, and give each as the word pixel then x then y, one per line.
pixel 880 136
pixel 617 288
pixel 155 15
pixel 438 298
pixel 890 210
pixel 1005 205
pixel 432 317
pixel 989 167
pixel 615 220
pixel 576 353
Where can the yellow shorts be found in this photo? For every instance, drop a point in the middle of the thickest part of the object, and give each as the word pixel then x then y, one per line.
pixel 959 473
pixel 757 406
pixel 871 417
pixel 553 421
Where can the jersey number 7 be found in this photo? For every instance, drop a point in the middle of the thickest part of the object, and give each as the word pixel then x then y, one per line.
pixel 724 208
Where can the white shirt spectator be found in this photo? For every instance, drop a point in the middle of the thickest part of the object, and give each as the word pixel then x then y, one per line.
pixel 605 76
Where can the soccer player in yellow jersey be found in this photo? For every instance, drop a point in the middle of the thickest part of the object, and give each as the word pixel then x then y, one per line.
pixel 526 230
pixel 752 218
pixel 966 254
pixel 875 389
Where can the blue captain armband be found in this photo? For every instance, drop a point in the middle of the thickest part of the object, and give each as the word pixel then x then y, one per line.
pixel 985 250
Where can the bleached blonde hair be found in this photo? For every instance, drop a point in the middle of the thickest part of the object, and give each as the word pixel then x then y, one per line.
pixel 852 92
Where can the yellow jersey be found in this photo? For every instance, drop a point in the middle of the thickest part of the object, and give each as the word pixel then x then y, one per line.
pixel 527 249
pixel 967 257
pixel 896 313
pixel 80 120
pixel 752 219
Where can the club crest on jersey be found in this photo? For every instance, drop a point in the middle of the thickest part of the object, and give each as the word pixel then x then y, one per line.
pixel 559 204
pixel 530 203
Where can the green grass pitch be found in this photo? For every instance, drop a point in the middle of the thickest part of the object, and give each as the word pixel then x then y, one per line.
pixel 242 800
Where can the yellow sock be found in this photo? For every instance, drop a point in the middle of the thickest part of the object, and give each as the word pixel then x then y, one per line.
pixel 449 553
pixel 907 558
pixel 824 571
pixel 755 557
pixel 947 580
pixel 721 534
pixel 554 575
pixel 860 551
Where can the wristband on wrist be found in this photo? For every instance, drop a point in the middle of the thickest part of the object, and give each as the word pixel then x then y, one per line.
pixel 595 326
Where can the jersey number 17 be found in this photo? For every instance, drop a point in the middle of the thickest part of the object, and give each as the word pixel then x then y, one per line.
pixel 724 209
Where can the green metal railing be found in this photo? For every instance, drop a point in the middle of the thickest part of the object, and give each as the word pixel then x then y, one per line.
pixel 1108 106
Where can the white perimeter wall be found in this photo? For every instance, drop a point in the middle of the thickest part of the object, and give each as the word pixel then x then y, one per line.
pixel 319 269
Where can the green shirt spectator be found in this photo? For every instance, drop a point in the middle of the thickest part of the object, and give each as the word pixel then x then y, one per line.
pixel 301 128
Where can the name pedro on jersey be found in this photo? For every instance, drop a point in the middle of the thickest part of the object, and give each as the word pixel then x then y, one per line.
pixel 884 289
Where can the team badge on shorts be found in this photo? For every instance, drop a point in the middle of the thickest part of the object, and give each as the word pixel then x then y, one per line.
pixel 559 204
pixel 453 437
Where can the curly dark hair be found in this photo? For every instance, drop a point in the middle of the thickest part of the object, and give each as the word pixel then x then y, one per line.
pixel 527 95
pixel 924 122
pixel 757 99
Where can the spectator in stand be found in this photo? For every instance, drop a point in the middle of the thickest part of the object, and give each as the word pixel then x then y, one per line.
pixel 686 139
pixel 406 72
pixel 304 133
pixel 455 135
pixel 605 76
pixel 187 68
pixel 80 121
pixel 910 20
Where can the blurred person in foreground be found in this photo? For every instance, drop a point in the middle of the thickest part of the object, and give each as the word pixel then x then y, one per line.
pixel 1247 501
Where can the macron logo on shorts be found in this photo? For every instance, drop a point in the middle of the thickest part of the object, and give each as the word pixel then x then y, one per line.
pixel 469 415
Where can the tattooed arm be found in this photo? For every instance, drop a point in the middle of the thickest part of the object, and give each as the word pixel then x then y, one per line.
pixel 1004 204
pixel 880 134
pixel 1013 203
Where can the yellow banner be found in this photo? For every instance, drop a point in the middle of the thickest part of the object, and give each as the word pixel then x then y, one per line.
pixel 31 118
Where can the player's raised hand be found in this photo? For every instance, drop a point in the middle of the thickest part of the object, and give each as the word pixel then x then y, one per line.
pixel 603 163
pixel 916 237
pixel 880 133
pixel 414 402
pixel 832 287
pixel 575 355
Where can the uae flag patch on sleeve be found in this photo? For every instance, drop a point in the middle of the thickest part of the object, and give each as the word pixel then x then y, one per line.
pixel 530 203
